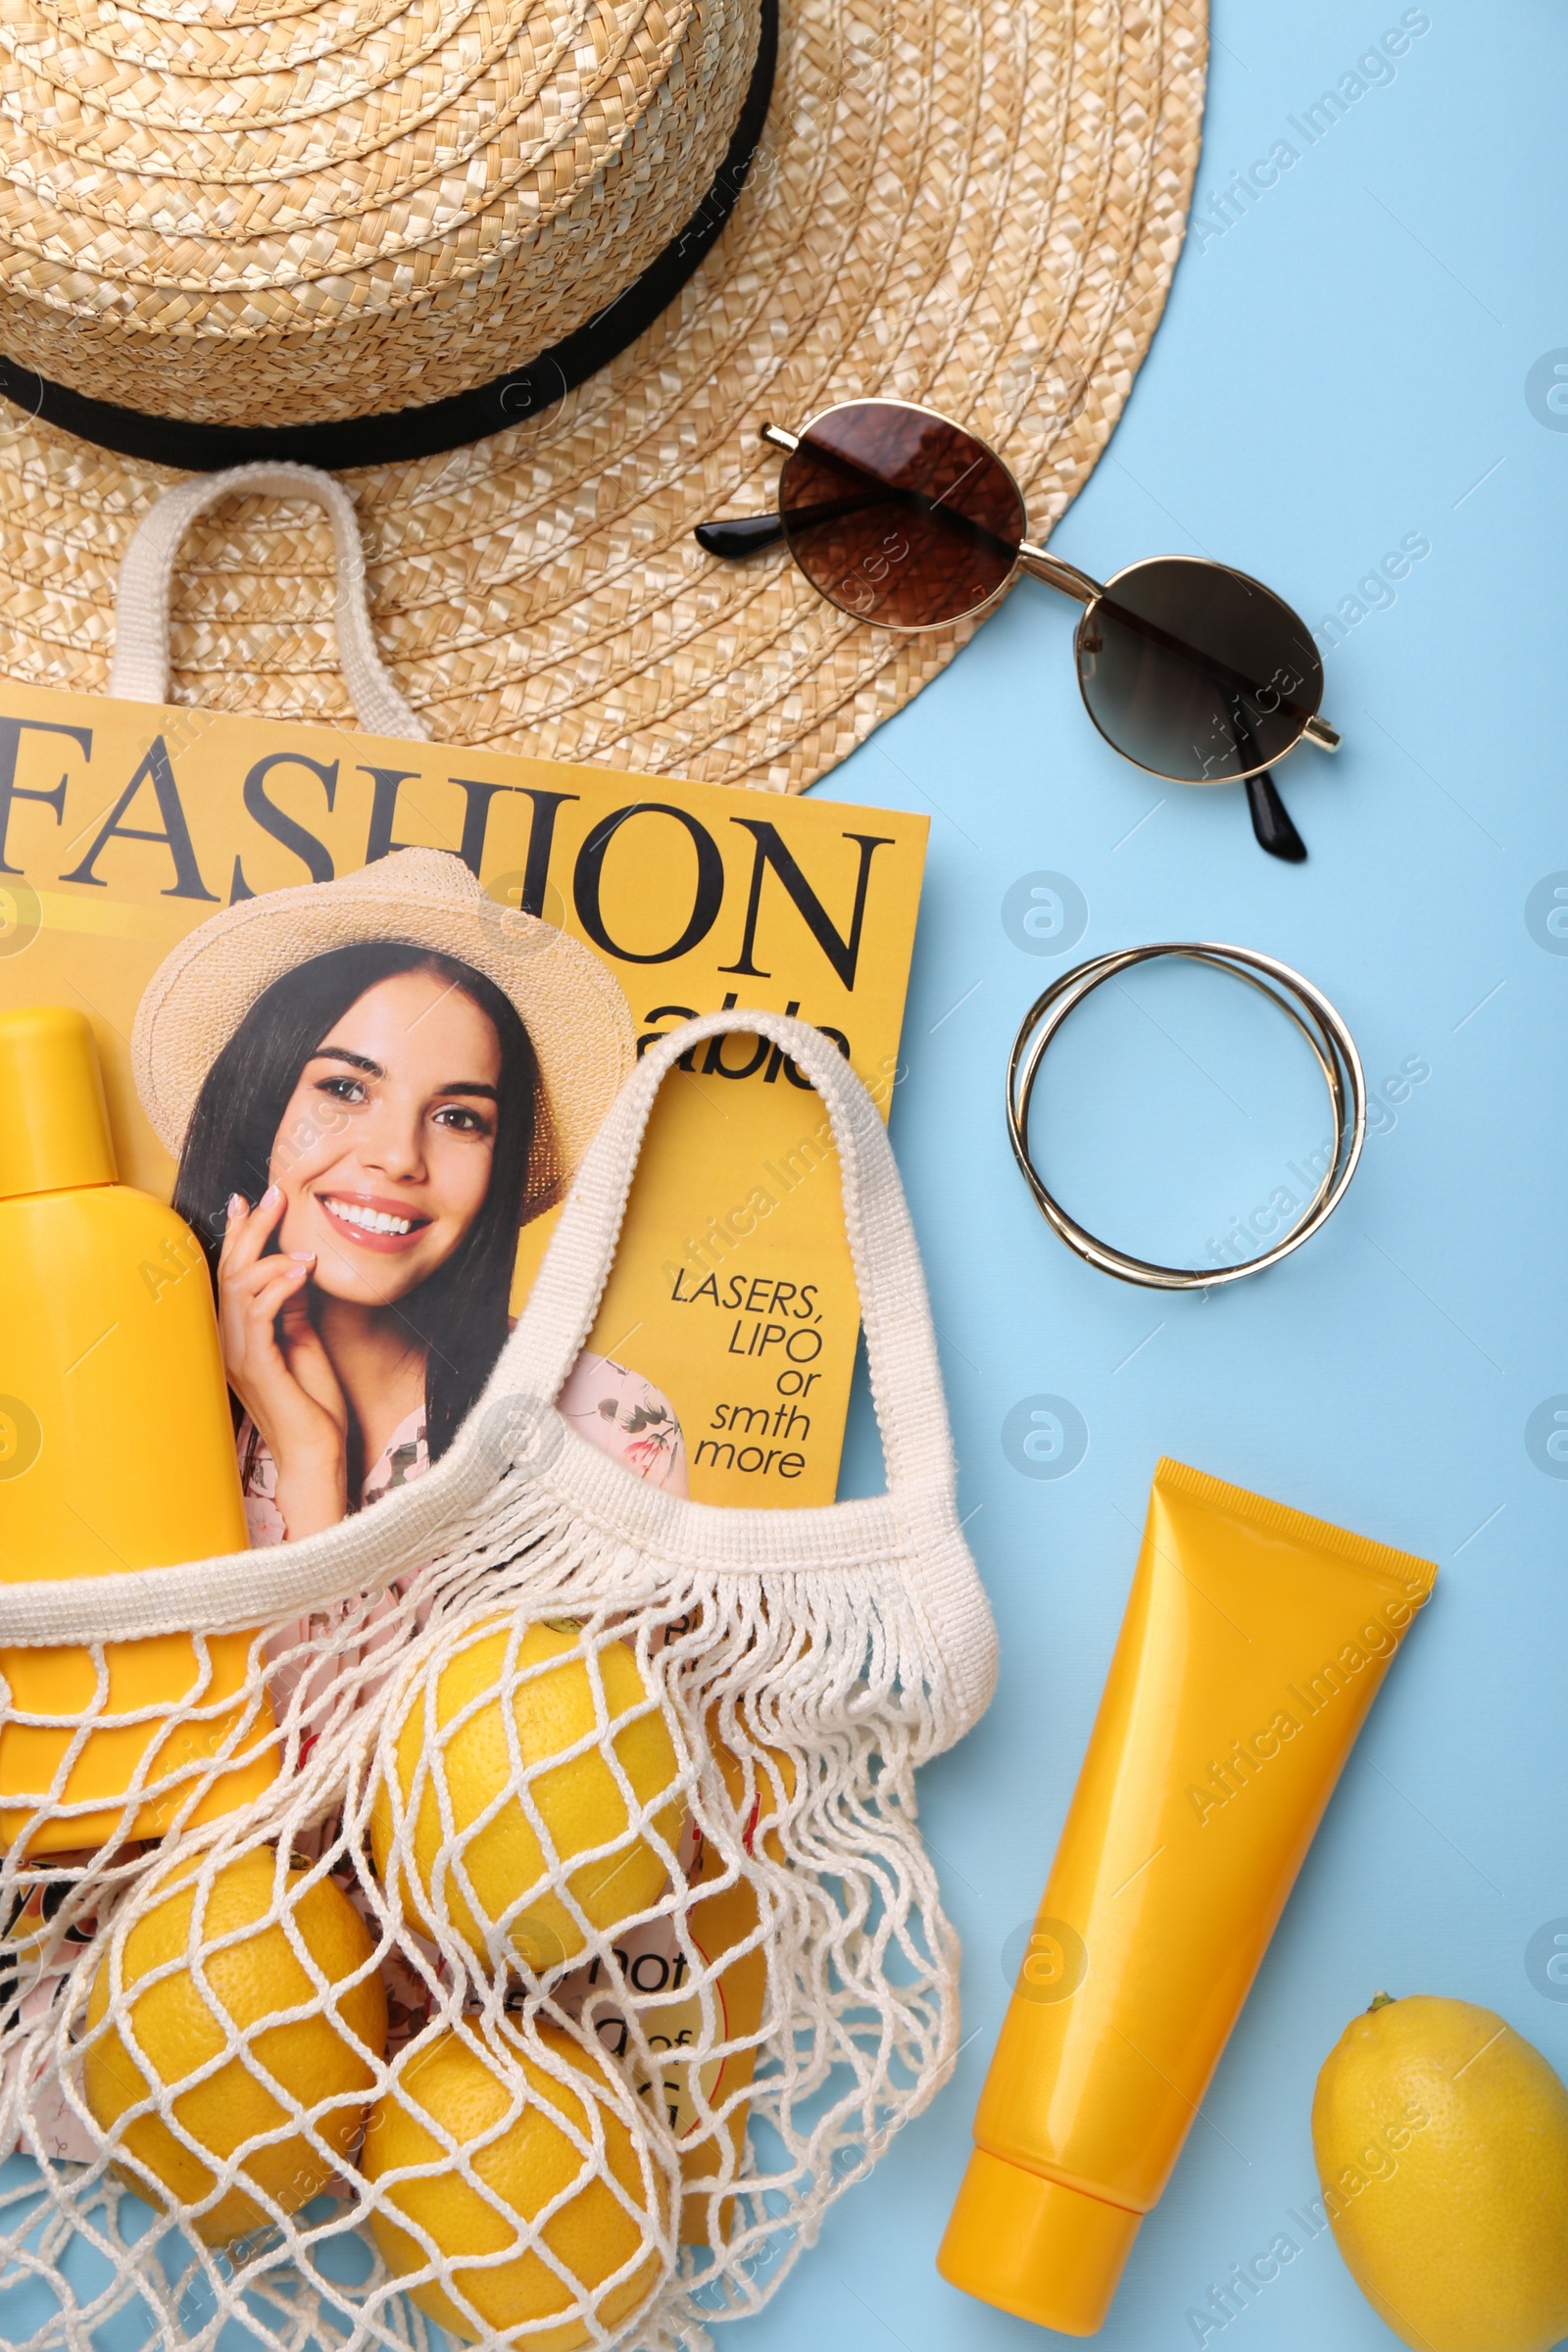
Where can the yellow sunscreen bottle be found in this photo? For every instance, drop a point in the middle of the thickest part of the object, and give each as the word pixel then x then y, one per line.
pixel 1255 1642
pixel 115 1452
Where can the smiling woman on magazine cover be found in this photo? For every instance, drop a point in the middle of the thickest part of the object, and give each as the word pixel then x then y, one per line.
pixel 360 1156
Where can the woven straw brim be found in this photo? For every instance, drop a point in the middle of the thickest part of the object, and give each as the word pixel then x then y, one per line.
pixel 577 1019
pixel 965 202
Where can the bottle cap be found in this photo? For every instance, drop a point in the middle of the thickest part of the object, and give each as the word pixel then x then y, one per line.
pixel 1035 2247
pixel 54 1124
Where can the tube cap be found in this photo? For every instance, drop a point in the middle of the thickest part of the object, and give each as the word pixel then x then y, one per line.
pixel 1033 2246
pixel 54 1126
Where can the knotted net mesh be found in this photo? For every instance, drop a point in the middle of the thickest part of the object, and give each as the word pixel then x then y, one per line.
pixel 528 1948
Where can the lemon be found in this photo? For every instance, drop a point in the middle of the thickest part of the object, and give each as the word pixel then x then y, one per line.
pixel 1441 2144
pixel 580 1800
pixel 321 2059
pixel 446 2082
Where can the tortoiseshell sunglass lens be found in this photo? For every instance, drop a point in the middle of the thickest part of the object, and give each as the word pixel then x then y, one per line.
pixel 1196 672
pixel 899 518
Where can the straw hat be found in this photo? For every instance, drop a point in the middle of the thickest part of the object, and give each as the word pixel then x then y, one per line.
pixel 577 1019
pixel 289 217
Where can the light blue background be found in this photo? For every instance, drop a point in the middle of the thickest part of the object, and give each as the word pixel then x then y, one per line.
pixel 1344 367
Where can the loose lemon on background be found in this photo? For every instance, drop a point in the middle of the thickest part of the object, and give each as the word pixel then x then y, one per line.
pixel 1441 2144
pixel 580 1800
pixel 324 2056
pixel 446 2082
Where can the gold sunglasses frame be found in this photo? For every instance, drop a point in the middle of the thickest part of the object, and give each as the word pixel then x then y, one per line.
pixel 1038 564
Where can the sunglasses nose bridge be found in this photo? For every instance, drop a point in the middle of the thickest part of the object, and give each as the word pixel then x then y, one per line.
pixel 1056 572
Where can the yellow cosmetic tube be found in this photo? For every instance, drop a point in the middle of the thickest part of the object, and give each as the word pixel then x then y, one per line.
pixel 1253 1643
pixel 117 1453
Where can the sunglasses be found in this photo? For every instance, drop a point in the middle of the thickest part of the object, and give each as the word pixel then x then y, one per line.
pixel 1192 670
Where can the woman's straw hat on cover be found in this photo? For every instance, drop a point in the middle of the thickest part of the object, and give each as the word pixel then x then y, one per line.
pixel 577 1019
pixel 345 230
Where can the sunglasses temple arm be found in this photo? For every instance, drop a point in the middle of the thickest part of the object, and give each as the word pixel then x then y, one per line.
pixel 748 534
pixel 736 537
pixel 1056 574
pixel 1210 665
pixel 744 535
pixel 1272 828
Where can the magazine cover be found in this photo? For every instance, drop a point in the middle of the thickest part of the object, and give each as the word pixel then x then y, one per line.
pixel 331 1075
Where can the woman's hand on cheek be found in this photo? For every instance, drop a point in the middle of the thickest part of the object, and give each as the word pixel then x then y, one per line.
pixel 286 1382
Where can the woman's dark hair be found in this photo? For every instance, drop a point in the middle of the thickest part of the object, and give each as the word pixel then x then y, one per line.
pixel 459 1317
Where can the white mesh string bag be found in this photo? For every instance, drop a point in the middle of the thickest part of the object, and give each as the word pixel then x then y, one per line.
pixel 583 1947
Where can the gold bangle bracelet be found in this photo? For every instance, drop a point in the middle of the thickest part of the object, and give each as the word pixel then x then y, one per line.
pixel 1306 1008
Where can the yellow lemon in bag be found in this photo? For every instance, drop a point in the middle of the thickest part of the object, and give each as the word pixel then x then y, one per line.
pixel 321 2059
pixel 447 2083
pixel 1442 2145
pixel 579 1800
